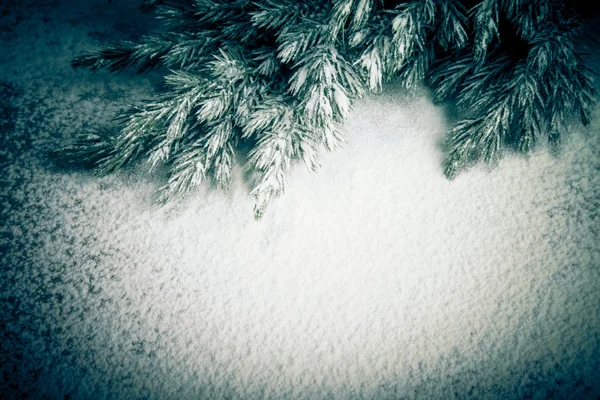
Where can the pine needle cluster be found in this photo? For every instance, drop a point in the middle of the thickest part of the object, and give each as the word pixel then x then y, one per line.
pixel 279 77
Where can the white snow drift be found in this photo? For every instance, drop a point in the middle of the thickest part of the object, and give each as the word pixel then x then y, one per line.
pixel 373 278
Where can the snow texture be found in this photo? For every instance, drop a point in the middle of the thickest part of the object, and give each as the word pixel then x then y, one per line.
pixel 375 278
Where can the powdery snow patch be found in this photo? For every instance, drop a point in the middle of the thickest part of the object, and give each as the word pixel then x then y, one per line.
pixel 373 278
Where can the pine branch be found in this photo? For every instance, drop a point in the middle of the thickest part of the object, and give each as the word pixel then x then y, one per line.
pixel 142 127
pixel 413 27
pixel 516 102
pixel 486 17
pixel 271 159
pixel 448 76
pixel 281 77
pixel 475 88
pixel 296 40
pixel 185 51
pixel 281 140
pixel 356 13
pixel 274 15
pixel 325 84
pixel 375 62
pixel 87 150
pixel 116 58
pixel 452 25
pixel 187 172
pixel 472 139
pixel 267 63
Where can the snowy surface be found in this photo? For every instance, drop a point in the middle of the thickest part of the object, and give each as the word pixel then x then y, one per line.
pixel 373 278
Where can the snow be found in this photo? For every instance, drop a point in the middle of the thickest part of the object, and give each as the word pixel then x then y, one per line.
pixel 374 277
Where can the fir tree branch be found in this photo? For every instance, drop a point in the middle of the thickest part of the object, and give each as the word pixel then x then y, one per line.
pixel 87 149
pixel 486 17
pixel 411 27
pixel 281 76
pixel 449 74
pixel 185 51
pixel 517 102
pixel 187 172
pixel 271 159
pixel 356 13
pixel 141 130
pixel 324 83
pixel 475 88
pixel 280 137
pixel 116 58
pixel 267 62
pixel 472 139
pixel 274 15
pixel 376 61
pixel 296 40
pixel 452 25
pixel 530 17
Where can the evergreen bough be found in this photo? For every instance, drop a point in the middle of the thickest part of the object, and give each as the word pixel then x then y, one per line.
pixel 279 77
